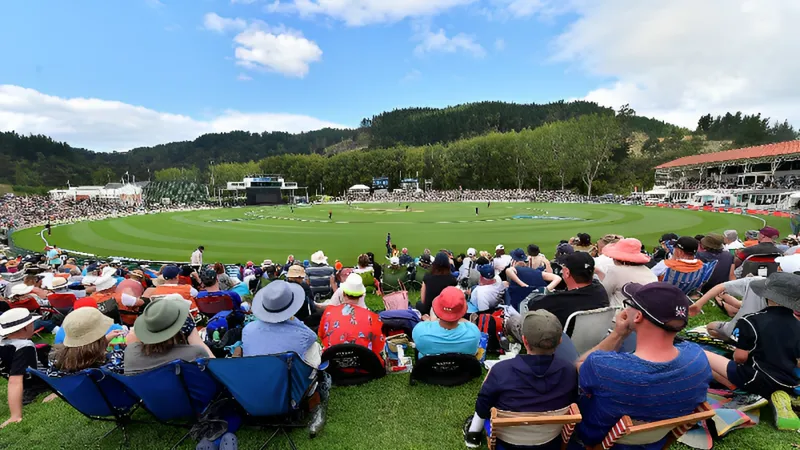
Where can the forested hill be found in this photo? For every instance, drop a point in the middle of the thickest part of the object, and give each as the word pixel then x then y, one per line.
pixel 422 126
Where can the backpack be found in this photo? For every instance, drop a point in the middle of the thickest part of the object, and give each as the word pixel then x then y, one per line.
pixel 492 324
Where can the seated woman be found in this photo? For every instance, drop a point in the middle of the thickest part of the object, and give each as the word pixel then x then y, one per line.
pixel 366 269
pixel 159 336
pixel 89 342
pixel 522 280
pixel 349 323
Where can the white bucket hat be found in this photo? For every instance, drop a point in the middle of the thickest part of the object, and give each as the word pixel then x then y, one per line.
pixel 20 289
pixel 15 319
pixel 394 260
pixel 319 258
pixel 354 285
pixel 103 283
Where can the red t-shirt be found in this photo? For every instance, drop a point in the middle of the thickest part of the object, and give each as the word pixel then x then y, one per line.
pixel 348 324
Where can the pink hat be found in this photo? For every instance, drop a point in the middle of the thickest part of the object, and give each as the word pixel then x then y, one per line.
pixel 628 250
pixel 450 305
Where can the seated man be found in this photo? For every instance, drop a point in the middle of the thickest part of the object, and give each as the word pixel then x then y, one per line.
pixel 405 258
pixel 450 333
pixel 536 382
pixel 750 303
pixel 350 323
pixel 765 245
pixel 659 381
pixel 211 288
pixel 582 294
pixel 767 346
pixel 320 276
pixel 487 294
pixel 17 353
pixel 683 261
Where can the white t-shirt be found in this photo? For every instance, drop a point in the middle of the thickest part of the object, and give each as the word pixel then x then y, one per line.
pixel 486 297
pixel 619 276
pixel 603 263
pixel 735 245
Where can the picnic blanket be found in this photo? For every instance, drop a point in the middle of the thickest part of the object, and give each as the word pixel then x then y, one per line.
pixel 735 410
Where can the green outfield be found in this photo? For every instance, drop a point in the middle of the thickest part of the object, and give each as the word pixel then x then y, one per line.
pixel 256 233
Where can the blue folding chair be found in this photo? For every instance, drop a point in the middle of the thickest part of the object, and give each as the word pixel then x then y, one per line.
pixel 177 391
pixel 691 281
pixel 276 403
pixel 94 395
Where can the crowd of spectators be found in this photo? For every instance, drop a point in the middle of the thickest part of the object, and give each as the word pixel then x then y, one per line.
pixel 131 319
pixel 782 182
pixel 483 195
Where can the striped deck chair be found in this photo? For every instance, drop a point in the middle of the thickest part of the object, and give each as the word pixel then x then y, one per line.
pixel 689 282
pixel 517 428
pixel 627 433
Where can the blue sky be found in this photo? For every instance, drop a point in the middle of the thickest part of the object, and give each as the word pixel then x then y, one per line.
pixel 157 71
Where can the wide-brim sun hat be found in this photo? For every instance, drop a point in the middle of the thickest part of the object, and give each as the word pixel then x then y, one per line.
pixel 15 319
pixel 59 283
pixel 20 289
pixel 84 326
pixel 781 287
pixel 278 301
pixel 319 258
pixel 627 250
pixel 105 283
pixel 161 319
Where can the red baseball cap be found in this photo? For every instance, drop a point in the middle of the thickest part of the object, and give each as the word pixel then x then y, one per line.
pixel 450 305
pixel 770 232
pixel 85 302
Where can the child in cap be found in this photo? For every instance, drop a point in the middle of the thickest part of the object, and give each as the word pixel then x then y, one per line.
pixel 17 354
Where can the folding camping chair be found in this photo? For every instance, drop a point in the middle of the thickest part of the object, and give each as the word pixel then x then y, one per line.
pixel 519 428
pixel 449 369
pixel 393 279
pixel 62 302
pixel 589 328
pixel 368 278
pixel 765 264
pixel 627 433
pixel 210 305
pixel 351 364
pixel 175 391
pixel 96 396
pixel 278 402
pixel 689 282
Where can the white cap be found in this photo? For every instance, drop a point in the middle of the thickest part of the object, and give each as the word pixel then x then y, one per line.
pixel 394 260
pixel 500 247
pixel 471 251
pixel 790 264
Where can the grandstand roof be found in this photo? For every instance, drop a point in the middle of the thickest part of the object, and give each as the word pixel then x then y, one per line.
pixel 759 152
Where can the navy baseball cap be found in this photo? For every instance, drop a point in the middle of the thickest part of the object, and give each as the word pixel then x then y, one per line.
pixel 660 303
pixel 486 271
pixel 170 272
pixel 578 263
pixel 518 254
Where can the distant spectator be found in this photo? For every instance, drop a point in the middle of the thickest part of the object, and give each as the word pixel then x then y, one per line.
pixel 584 243
pixel 601 261
pixel 321 276
pixel 211 288
pixel 522 280
pixel 536 260
pixel 435 282
pixel 488 293
pixel 683 258
pixel 766 245
pixel 732 241
pixel 405 258
pixel 712 249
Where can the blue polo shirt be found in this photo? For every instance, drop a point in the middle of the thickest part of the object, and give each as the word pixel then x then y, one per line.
pixel 615 384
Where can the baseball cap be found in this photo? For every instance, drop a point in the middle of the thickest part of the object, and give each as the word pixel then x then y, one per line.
pixel 486 271
pixel 170 272
pixel 789 264
pixel 578 263
pixel 208 277
pixel 518 254
pixel 660 303
pixel 450 305
pixel 471 251
pixel 687 244
pixel 770 232
pixel 668 237
pixel 564 249
pixel 499 247
pixel 394 260
pixel 542 329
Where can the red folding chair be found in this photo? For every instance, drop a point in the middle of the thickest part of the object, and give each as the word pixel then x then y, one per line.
pixel 63 303
pixel 213 304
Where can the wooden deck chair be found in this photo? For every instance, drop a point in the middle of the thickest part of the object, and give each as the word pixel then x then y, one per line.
pixel 628 433
pixel 518 428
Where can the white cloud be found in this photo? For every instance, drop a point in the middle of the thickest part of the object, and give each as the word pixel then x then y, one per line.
pixel 281 50
pixel 244 2
pixel 107 125
pixel 432 42
pixel 244 77
pixel 680 59
pixel 366 12
pixel 259 46
pixel 499 44
pixel 219 24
